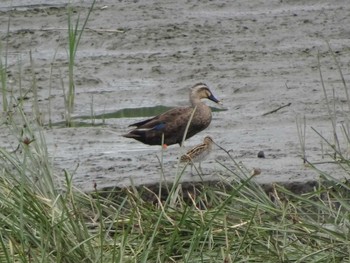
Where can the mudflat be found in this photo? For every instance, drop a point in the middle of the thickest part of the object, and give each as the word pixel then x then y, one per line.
pixel 260 58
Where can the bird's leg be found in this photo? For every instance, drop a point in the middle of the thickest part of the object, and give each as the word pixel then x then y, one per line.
pixel 200 167
pixel 198 170
pixel 195 167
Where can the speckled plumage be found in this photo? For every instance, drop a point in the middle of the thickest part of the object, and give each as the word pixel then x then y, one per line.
pixel 172 123
pixel 199 152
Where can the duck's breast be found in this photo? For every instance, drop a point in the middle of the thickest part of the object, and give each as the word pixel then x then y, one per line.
pixel 202 116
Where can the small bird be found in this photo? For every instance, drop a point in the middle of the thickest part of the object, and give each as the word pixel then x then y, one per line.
pixel 169 127
pixel 198 153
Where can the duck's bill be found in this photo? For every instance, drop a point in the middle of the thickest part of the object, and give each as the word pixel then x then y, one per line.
pixel 212 98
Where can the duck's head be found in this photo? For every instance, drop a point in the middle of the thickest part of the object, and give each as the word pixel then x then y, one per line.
pixel 201 91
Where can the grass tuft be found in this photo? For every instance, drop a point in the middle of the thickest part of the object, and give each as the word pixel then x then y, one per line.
pixel 74 35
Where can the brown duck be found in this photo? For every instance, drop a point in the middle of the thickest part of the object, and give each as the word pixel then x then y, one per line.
pixel 172 123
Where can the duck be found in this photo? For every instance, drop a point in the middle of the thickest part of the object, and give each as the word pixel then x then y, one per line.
pixel 199 152
pixel 169 127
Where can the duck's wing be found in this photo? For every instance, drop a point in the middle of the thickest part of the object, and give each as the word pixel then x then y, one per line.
pixel 139 124
pixel 164 119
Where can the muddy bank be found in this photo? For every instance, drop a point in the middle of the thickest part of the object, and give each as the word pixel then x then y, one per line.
pixel 256 57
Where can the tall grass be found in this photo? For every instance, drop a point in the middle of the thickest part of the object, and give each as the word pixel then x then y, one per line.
pixel 74 35
pixel 3 69
pixel 3 81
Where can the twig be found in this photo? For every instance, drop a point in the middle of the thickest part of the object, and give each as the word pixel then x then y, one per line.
pixel 273 111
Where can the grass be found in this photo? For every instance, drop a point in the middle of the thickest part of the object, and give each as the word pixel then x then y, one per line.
pixel 74 35
pixel 45 220
pixel 3 73
pixel 3 81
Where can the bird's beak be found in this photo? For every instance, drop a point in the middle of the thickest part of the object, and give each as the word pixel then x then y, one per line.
pixel 212 98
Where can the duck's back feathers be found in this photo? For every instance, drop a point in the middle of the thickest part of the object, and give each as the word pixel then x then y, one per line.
pixel 167 116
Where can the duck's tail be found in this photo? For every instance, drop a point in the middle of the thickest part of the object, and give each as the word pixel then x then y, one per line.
pixel 131 135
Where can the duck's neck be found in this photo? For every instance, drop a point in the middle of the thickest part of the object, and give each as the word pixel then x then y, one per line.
pixel 195 100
